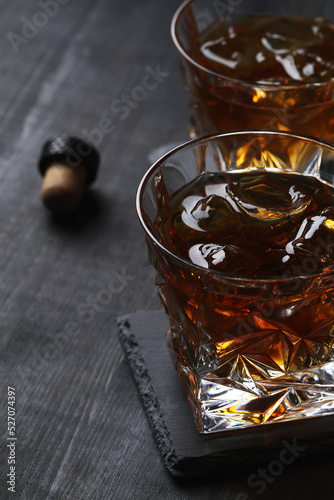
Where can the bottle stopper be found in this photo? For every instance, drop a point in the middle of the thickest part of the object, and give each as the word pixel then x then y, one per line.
pixel 68 165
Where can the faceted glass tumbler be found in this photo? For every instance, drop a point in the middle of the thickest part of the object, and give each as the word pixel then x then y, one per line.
pixel 249 351
pixel 220 103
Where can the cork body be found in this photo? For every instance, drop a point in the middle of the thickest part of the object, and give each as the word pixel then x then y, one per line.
pixel 63 187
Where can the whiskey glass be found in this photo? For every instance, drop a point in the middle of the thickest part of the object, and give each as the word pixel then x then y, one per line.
pixel 249 350
pixel 221 103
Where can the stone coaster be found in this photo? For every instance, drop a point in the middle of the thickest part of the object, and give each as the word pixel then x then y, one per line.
pixel 184 451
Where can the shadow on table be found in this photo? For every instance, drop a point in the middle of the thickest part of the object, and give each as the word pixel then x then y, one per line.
pixel 307 478
pixel 93 208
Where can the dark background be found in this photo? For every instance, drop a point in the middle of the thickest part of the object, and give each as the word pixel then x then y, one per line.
pixel 82 432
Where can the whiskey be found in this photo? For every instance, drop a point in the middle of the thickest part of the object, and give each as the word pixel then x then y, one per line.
pixel 263 72
pixel 278 50
pixel 250 225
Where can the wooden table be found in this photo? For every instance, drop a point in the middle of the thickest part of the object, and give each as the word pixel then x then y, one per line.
pixel 106 70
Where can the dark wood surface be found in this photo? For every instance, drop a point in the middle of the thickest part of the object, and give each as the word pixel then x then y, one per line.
pixel 82 432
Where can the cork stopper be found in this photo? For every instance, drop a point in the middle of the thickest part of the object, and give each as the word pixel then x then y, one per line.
pixel 68 165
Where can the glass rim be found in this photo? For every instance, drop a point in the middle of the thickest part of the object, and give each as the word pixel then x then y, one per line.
pixel 244 83
pixel 327 271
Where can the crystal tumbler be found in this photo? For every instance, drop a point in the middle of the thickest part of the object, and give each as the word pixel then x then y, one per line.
pixel 240 229
pixel 258 65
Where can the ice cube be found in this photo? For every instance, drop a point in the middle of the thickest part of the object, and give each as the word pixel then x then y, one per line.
pixel 272 49
pixel 208 213
pixel 194 211
pixel 227 258
pixel 313 245
pixel 268 199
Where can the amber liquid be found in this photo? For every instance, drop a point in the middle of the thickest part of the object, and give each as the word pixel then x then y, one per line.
pixel 256 56
pixel 271 226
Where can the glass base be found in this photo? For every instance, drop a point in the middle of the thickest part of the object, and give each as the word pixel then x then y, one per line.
pixel 239 401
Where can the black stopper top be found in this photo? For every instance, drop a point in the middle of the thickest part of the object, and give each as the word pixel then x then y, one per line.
pixel 72 152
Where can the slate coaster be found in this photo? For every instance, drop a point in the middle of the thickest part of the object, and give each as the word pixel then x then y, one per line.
pixel 184 451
